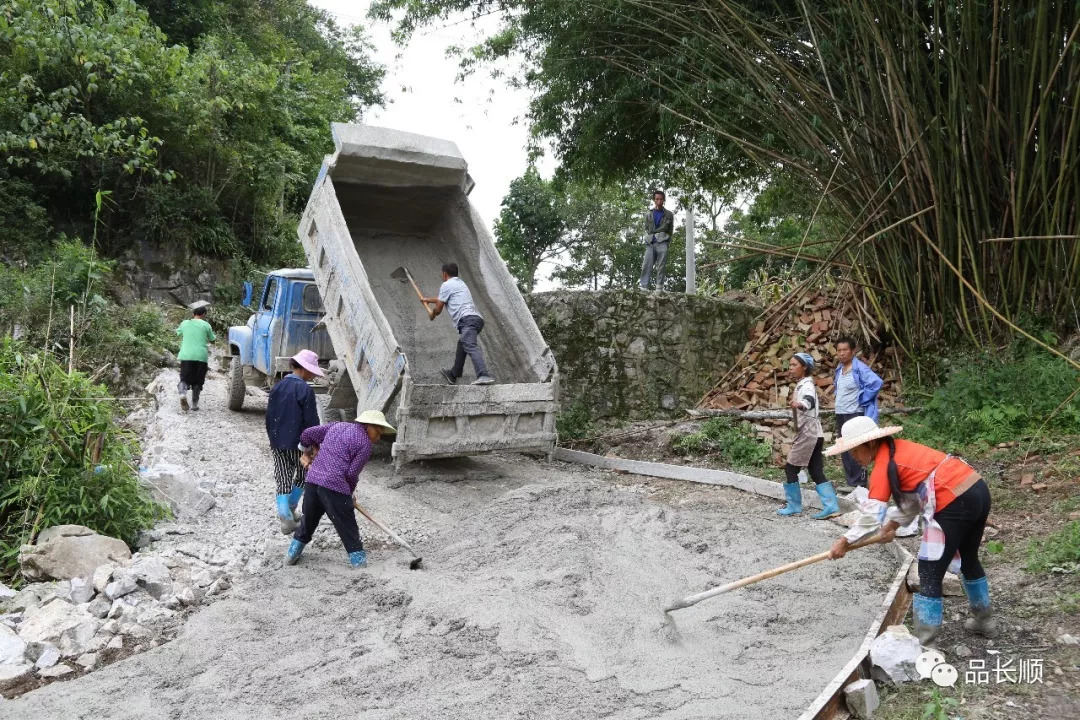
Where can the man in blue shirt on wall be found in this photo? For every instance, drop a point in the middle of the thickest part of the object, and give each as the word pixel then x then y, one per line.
pixel 857 388
pixel 659 225
pixel 290 410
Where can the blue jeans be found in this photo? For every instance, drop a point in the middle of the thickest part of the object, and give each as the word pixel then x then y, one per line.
pixel 469 329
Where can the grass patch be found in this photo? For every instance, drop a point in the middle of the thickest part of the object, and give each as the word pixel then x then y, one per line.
pixel 987 399
pixel 575 422
pixel 1058 552
pixel 734 441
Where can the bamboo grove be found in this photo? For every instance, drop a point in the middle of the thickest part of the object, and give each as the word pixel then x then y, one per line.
pixel 946 134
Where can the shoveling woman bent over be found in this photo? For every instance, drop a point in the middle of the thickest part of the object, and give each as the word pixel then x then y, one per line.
pixel 954 501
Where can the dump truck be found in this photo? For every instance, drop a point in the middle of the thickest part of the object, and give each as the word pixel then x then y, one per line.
pixel 387 199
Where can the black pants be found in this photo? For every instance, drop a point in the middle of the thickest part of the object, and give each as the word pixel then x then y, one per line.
pixel 338 507
pixel 963 521
pixel 815 469
pixel 468 344
pixel 193 373
pixel 854 473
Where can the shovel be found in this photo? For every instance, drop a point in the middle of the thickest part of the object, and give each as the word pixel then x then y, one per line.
pixel 403 274
pixel 414 564
pixel 695 599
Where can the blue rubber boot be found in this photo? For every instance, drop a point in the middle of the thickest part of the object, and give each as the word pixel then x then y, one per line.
pixel 982 620
pixel 358 558
pixel 927 613
pixel 296 548
pixel 294 501
pixel 285 516
pixel 794 500
pixel 830 508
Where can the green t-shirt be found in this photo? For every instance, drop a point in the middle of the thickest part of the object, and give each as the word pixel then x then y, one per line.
pixel 196 335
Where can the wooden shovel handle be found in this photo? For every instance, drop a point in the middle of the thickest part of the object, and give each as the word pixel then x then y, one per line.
pixel 430 312
pixel 695 599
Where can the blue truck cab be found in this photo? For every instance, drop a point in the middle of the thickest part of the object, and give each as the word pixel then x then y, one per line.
pixel 287 319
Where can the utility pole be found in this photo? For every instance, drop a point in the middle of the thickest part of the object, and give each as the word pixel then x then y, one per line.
pixel 691 268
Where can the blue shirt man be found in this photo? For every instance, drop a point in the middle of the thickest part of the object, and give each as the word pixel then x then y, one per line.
pixel 857 388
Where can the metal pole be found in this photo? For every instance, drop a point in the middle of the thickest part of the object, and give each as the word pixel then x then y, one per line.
pixel 691 269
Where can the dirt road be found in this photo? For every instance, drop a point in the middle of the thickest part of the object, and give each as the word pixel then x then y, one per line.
pixel 540 597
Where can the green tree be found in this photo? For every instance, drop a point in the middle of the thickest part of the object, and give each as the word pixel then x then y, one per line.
pixel 604 228
pixel 530 228
pixel 210 142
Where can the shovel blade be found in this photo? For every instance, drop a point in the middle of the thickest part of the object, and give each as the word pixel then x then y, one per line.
pixel 400 274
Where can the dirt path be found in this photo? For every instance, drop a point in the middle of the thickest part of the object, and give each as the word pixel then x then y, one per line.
pixel 539 598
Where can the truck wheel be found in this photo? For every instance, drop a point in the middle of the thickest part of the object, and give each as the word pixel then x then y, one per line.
pixel 236 384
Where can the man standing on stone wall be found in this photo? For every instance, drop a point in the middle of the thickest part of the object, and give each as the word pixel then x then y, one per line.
pixel 659 224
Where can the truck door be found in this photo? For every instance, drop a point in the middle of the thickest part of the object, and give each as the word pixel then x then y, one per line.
pixel 265 322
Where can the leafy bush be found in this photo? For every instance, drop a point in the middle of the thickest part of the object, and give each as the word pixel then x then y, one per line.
pixel 35 305
pixel 63 458
pixel 735 442
pixel 989 399
pixel 575 422
pixel 1058 552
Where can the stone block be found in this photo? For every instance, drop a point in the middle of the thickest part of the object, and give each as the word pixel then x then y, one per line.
pixel 893 654
pixel 69 551
pixel 862 698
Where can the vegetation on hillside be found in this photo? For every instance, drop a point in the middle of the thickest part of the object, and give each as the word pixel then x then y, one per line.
pixel 207 134
pixel 63 458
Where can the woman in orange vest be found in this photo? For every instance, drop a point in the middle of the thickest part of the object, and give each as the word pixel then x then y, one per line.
pixel 954 501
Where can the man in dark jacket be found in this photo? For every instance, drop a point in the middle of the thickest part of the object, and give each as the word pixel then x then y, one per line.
pixel 290 410
pixel 659 224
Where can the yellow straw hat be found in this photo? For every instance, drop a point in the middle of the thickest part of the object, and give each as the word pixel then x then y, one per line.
pixel 374 417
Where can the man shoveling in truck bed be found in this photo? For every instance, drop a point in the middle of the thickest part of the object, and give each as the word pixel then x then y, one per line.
pixel 454 294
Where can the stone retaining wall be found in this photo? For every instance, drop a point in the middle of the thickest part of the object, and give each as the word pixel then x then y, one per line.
pixel 637 355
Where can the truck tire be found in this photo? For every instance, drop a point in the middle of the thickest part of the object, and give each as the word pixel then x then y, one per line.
pixel 236 384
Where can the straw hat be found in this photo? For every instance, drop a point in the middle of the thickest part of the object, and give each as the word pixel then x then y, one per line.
pixel 858 431
pixel 308 360
pixel 374 417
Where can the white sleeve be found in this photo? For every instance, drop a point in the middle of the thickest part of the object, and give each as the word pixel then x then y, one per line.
pixel 871 517
pixel 444 292
pixel 902 517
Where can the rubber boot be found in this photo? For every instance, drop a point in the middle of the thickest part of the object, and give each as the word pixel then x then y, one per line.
pixel 794 500
pixel 285 516
pixel 830 508
pixel 294 502
pixel 195 393
pixel 982 620
pixel 358 559
pixel 292 555
pixel 927 613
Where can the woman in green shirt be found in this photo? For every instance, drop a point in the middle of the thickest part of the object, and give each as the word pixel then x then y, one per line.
pixel 196 335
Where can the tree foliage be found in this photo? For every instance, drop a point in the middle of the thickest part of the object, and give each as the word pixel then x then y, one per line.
pixel 208 138
pixel 530 227
pixel 941 134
